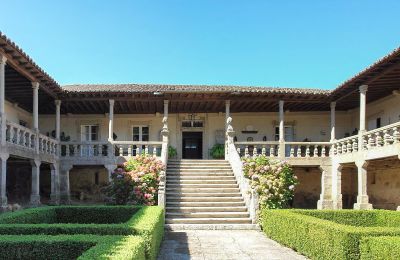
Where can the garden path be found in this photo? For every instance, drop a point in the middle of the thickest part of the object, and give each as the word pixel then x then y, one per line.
pixel 222 244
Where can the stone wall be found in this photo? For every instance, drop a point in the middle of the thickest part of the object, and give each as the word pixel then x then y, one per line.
pixel 308 190
pixel 86 183
pixel 349 186
pixel 384 183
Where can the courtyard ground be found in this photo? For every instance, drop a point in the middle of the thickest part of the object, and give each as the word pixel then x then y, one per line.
pixel 222 244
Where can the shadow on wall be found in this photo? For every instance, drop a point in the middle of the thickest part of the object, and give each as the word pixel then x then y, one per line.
pixel 308 190
pixel 87 183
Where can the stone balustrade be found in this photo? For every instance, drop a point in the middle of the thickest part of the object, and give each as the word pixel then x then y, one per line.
pixel 308 149
pixel 346 145
pixel 383 136
pixel 24 137
pixel 131 148
pixel 253 149
pixel 84 149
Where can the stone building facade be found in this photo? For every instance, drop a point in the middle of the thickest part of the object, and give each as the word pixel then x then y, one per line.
pixel 62 142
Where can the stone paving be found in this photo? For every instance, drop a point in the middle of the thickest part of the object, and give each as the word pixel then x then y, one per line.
pixel 222 244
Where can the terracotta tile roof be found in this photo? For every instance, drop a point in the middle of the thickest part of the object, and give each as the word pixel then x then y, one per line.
pixel 138 88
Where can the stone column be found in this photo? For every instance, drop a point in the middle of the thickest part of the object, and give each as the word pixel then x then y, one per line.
pixel 58 119
pixel 333 121
pixel 55 184
pixel 110 169
pixel 166 104
pixel 35 87
pixel 111 122
pixel 35 190
pixel 281 130
pixel 227 115
pixel 337 186
pixel 325 201
pixel 3 181
pixel 3 60
pixel 362 197
pixel 227 111
pixel 363 100
pixel 65 197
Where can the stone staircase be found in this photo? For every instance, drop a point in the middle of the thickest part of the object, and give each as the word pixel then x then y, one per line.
pixel 204 194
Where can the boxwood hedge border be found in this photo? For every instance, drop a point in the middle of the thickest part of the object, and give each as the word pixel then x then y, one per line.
pixel 319 238
pixel 147 222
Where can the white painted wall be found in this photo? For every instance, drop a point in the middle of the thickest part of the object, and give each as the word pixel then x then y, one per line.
pixel 15 113
pixel 387 108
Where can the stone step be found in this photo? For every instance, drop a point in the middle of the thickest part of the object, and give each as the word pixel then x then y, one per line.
pixel 204 197
pixel 193 209
pixel 208 221
pixel 195 161
pixel 198 177
pixel 223 163
pixel 193 166
pixel 177 227
pixel 238 203
pixel 199 168
pixel 201 185
pixel 204 190
pixel 207 215
pixel 206 181
pixel 197 173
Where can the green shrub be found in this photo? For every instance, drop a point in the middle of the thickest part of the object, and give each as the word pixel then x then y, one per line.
pixel 218 151
pixel 71 247
pixel 32 216
pixel 380 248
pixel 320 238
pixel 149 224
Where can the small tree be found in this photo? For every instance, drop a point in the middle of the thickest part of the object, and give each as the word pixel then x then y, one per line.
pixel 272 179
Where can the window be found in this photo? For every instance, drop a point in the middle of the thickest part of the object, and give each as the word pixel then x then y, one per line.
pixel 89 133
pixel 140 133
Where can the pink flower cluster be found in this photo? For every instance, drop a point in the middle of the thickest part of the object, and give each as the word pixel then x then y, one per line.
pixel 140 176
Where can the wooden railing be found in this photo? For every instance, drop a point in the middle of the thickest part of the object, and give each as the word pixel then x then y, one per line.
pixel 24 137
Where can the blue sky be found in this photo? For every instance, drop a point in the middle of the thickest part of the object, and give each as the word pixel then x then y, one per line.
pixel 315 44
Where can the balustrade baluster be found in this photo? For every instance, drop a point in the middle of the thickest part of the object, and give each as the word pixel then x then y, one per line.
pixel 323 151
pixel 355 145
pixel 396 135
pixel 291 151
pixel 67 150
pixel 154 151
pixel 121 151
pixel 129 150
pixel 349 146
pixel 146 150
pixel 255 154
pixel 272 151
pixel 387 139
pixel 344 147
pixel 378 139
pixel 12 135
pixel 100 149
pixel 18 136
pixel 137 151
pixel 76 153
pixel 263 150
pixel 315 152
pixel 299 151
pixel 246 152
pixel 238 150
pixel 308 151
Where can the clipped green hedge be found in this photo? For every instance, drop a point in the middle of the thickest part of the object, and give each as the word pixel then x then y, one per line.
pixel 71 247
pixel 380 248
pixel 319 238
pixel 146 221
pixel 149 224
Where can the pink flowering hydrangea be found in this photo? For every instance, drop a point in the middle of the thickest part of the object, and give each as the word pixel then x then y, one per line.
pixel 272 179
pixel 136 181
